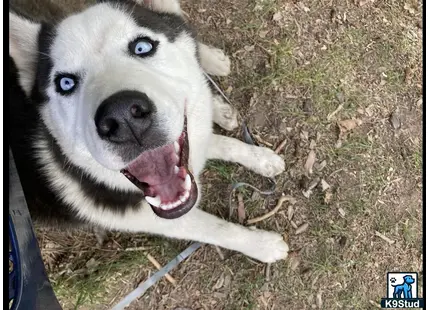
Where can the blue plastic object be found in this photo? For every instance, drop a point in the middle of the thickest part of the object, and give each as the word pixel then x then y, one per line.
pixel 29 286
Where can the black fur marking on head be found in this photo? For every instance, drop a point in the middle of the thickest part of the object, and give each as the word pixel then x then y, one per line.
pixel 169 24
pixel 44 63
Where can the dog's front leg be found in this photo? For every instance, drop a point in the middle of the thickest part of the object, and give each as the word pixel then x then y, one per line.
pixel 258 159
pixel 201 226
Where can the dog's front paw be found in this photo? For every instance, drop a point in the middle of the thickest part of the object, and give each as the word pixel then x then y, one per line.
pixel 267 247
pixel 267 162
pixel 214 61
pixel 224 114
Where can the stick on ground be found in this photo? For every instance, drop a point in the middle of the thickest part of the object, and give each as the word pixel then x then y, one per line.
pixel 271 213
pixel 158 266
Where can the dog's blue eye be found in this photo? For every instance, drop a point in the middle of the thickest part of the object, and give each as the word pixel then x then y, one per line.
pixel 66 83
pixel 142 47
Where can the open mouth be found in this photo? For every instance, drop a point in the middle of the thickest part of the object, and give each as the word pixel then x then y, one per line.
pixel 163 176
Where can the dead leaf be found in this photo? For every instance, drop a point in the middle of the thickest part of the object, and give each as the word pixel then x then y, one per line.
pixel 409 8
pixel 395 120
pixel 342 241
pixel 342 212
pixel 408 75
pixel 313 144
pixel 307 193
pixel 308 106
pixel 249 48
pixel 333 13
pixel 320 166
pixel 313 184
pixel 290 212
pixel 227 280
pixel 324 185
pixel 219 283
pixel 92 263
pixel 304 135
pixel 328 197
pixel 319 300
pixel 294 262
pixel 340 97
pixel 347 125
pixel 364 2
pixel 310 161
pixel 277 16
pixel 255 195
pixel 302 228
pixel 262 34
pixel 293 224
pixel 303 7
pixel 281 146
pixel 241 214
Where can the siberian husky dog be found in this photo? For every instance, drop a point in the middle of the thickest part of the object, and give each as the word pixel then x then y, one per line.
pixel 114 124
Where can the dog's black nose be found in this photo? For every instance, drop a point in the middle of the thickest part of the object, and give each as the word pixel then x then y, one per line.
pixel 124 116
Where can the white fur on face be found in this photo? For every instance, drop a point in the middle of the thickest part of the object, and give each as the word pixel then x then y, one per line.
pixel 94 46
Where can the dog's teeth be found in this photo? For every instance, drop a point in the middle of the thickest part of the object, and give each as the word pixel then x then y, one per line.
pixel 176 169
pixel 153 201
pixel 187 183
pixel 182 198
pixel 177 203
pixel 187 194
pixel 177 148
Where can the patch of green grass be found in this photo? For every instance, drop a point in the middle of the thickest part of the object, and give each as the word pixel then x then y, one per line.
pixel 223 169
pixel 352 149
pixel 417 159
pixel 246 290
pixel 85 288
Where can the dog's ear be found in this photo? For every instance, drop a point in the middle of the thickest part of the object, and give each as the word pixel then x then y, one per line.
pixel 23 37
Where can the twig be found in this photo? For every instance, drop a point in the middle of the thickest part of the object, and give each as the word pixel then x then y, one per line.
pixel 139 248
pixel 281 146
pixel 144 286
pixel 267 272
pixel 383 237
pixel 240 208
pixel 259 139
pixel 340 107
pixel 269 214
pixel 158 266
pixel 220 253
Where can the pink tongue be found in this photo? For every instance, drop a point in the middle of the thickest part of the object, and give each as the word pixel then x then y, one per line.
pixel 156 168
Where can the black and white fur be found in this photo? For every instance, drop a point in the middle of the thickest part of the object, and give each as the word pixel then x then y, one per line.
pixel 69 174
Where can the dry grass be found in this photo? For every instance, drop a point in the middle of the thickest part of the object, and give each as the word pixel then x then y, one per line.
pixel 366 57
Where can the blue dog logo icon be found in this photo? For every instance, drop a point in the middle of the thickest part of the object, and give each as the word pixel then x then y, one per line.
pixel 404 290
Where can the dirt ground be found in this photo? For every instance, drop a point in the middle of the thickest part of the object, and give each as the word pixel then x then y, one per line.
pixel 341 80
